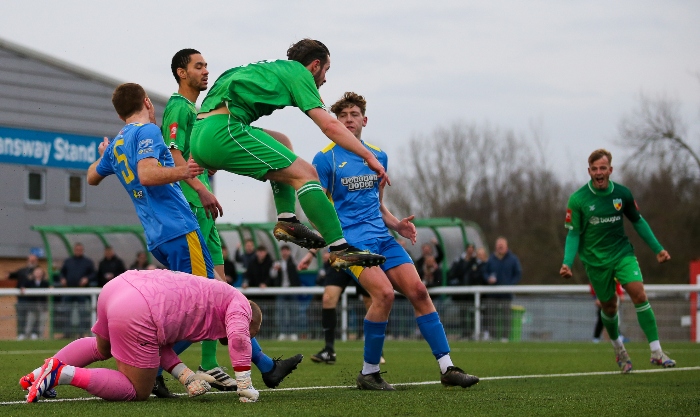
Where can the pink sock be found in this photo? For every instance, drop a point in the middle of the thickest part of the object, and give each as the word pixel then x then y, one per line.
pixel 81 352
pixel 108 384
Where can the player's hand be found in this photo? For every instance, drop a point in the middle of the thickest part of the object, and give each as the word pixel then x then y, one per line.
pixel 663 256
pixel 565 272
pixel 407 229
pixel 377 167
pixel 304 263
pixel 211 205
pixel 211 172
pixel 102 146
pixel 244 388
pixel 193 169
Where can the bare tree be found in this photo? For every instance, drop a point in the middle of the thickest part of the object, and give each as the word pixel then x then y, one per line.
pixel 658 135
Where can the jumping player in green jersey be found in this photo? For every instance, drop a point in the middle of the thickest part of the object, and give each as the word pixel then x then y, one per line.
pixel 596 232
pixel 190 71
pixel 222 138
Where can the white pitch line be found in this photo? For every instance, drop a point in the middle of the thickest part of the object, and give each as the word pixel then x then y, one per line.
pixel 489 378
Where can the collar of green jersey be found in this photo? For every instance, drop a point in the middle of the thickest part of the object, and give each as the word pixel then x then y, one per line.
pixel 607 191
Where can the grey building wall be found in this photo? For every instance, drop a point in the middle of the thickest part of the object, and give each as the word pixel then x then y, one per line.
pixel 41 93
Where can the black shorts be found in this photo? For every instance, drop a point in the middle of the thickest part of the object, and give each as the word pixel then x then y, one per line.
pixel 342 280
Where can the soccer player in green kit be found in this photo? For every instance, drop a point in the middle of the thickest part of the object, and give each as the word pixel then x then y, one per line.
pixel 190 71
pixel 596 232
pixel 222 138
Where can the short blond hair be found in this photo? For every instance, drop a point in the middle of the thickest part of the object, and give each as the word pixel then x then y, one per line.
pixel 599 153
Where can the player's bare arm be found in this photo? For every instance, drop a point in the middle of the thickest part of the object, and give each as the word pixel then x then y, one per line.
pixel 209 202
pixel 93 177
pixel 152 174
pixel 336 132
pixel 403 227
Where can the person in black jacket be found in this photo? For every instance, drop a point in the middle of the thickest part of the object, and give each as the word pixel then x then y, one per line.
pixel 467 270
pixel 427 250
pixel 37 307
pixel 77 272
pixel 109 267
pixel 284 274
pixel 257 275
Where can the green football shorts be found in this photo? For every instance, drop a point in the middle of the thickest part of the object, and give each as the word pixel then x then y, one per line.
pixel 222 142
pixel 602 279
pixel 211 235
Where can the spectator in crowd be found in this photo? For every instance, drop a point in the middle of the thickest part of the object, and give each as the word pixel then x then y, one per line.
pixel 284 274
pixel 244 258
pixel 77 272
pixel 141 261
pixel 431 274
pixel 427 250
pixel 22 275
pixel 502 268
pixel 230 272
pixel 37 309
pixel 468 269
pixel 109 267
pixel 257 275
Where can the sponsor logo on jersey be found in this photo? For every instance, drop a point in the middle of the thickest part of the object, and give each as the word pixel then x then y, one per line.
pixel 145 143
pixel 359 182
pixel 342 165
pixel 568 215
pixel 617 203
pixel 173 130
pixel 138 193
pixel 147 150
pixel 598 220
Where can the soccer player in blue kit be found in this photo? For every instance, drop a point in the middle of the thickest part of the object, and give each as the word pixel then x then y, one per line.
pixel 356 194
pixel 145 167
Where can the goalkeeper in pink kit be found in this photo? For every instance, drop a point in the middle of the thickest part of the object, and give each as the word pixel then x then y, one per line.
pixel 140 315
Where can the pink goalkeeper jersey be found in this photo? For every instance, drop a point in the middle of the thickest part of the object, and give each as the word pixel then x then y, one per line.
pixel 188 307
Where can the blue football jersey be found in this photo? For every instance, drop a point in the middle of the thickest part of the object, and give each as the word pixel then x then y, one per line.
pixel 354 190
pixel 162 209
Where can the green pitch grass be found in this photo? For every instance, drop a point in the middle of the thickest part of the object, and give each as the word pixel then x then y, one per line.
pixel 518 379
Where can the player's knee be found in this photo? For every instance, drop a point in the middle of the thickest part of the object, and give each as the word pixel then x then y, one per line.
pixel 383 298
pixel 329 301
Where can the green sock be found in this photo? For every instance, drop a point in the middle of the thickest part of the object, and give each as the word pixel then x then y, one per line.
pixel 611 325
pixel 320 211
pixel 285 198
pixel 209 354
pixel 647 321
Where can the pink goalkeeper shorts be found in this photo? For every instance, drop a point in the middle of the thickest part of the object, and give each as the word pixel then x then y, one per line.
pixel 123 318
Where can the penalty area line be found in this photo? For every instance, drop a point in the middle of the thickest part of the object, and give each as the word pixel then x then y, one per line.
pixel 402 384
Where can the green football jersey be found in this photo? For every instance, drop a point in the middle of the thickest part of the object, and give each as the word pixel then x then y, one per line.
pixel 178 118
pixel 258 89
pixel 597 216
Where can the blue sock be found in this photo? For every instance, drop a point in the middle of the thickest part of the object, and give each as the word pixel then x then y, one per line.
pixel 375 332
pixel 178 348
pixel 261 360
pixel 434 333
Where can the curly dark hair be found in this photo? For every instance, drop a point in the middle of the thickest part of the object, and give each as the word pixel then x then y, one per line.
pixel 127 99
pixel 180 60
pixel 349 99
pixel 308 50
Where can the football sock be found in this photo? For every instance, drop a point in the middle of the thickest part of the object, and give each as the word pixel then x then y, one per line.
pixel 209 354
pixel 611 325
pixel 263 362
pixel 647 321
pixel 81 352
pixel 655 346
pixel 335 246
pixel 108 384
pixel 329 318
pixel 178 348
pixel 444 363
pixel 285 199
pixel 319 210
pixel 434 333
pixel 375 332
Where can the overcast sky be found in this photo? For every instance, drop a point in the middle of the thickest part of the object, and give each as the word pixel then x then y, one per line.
pixel 574 68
